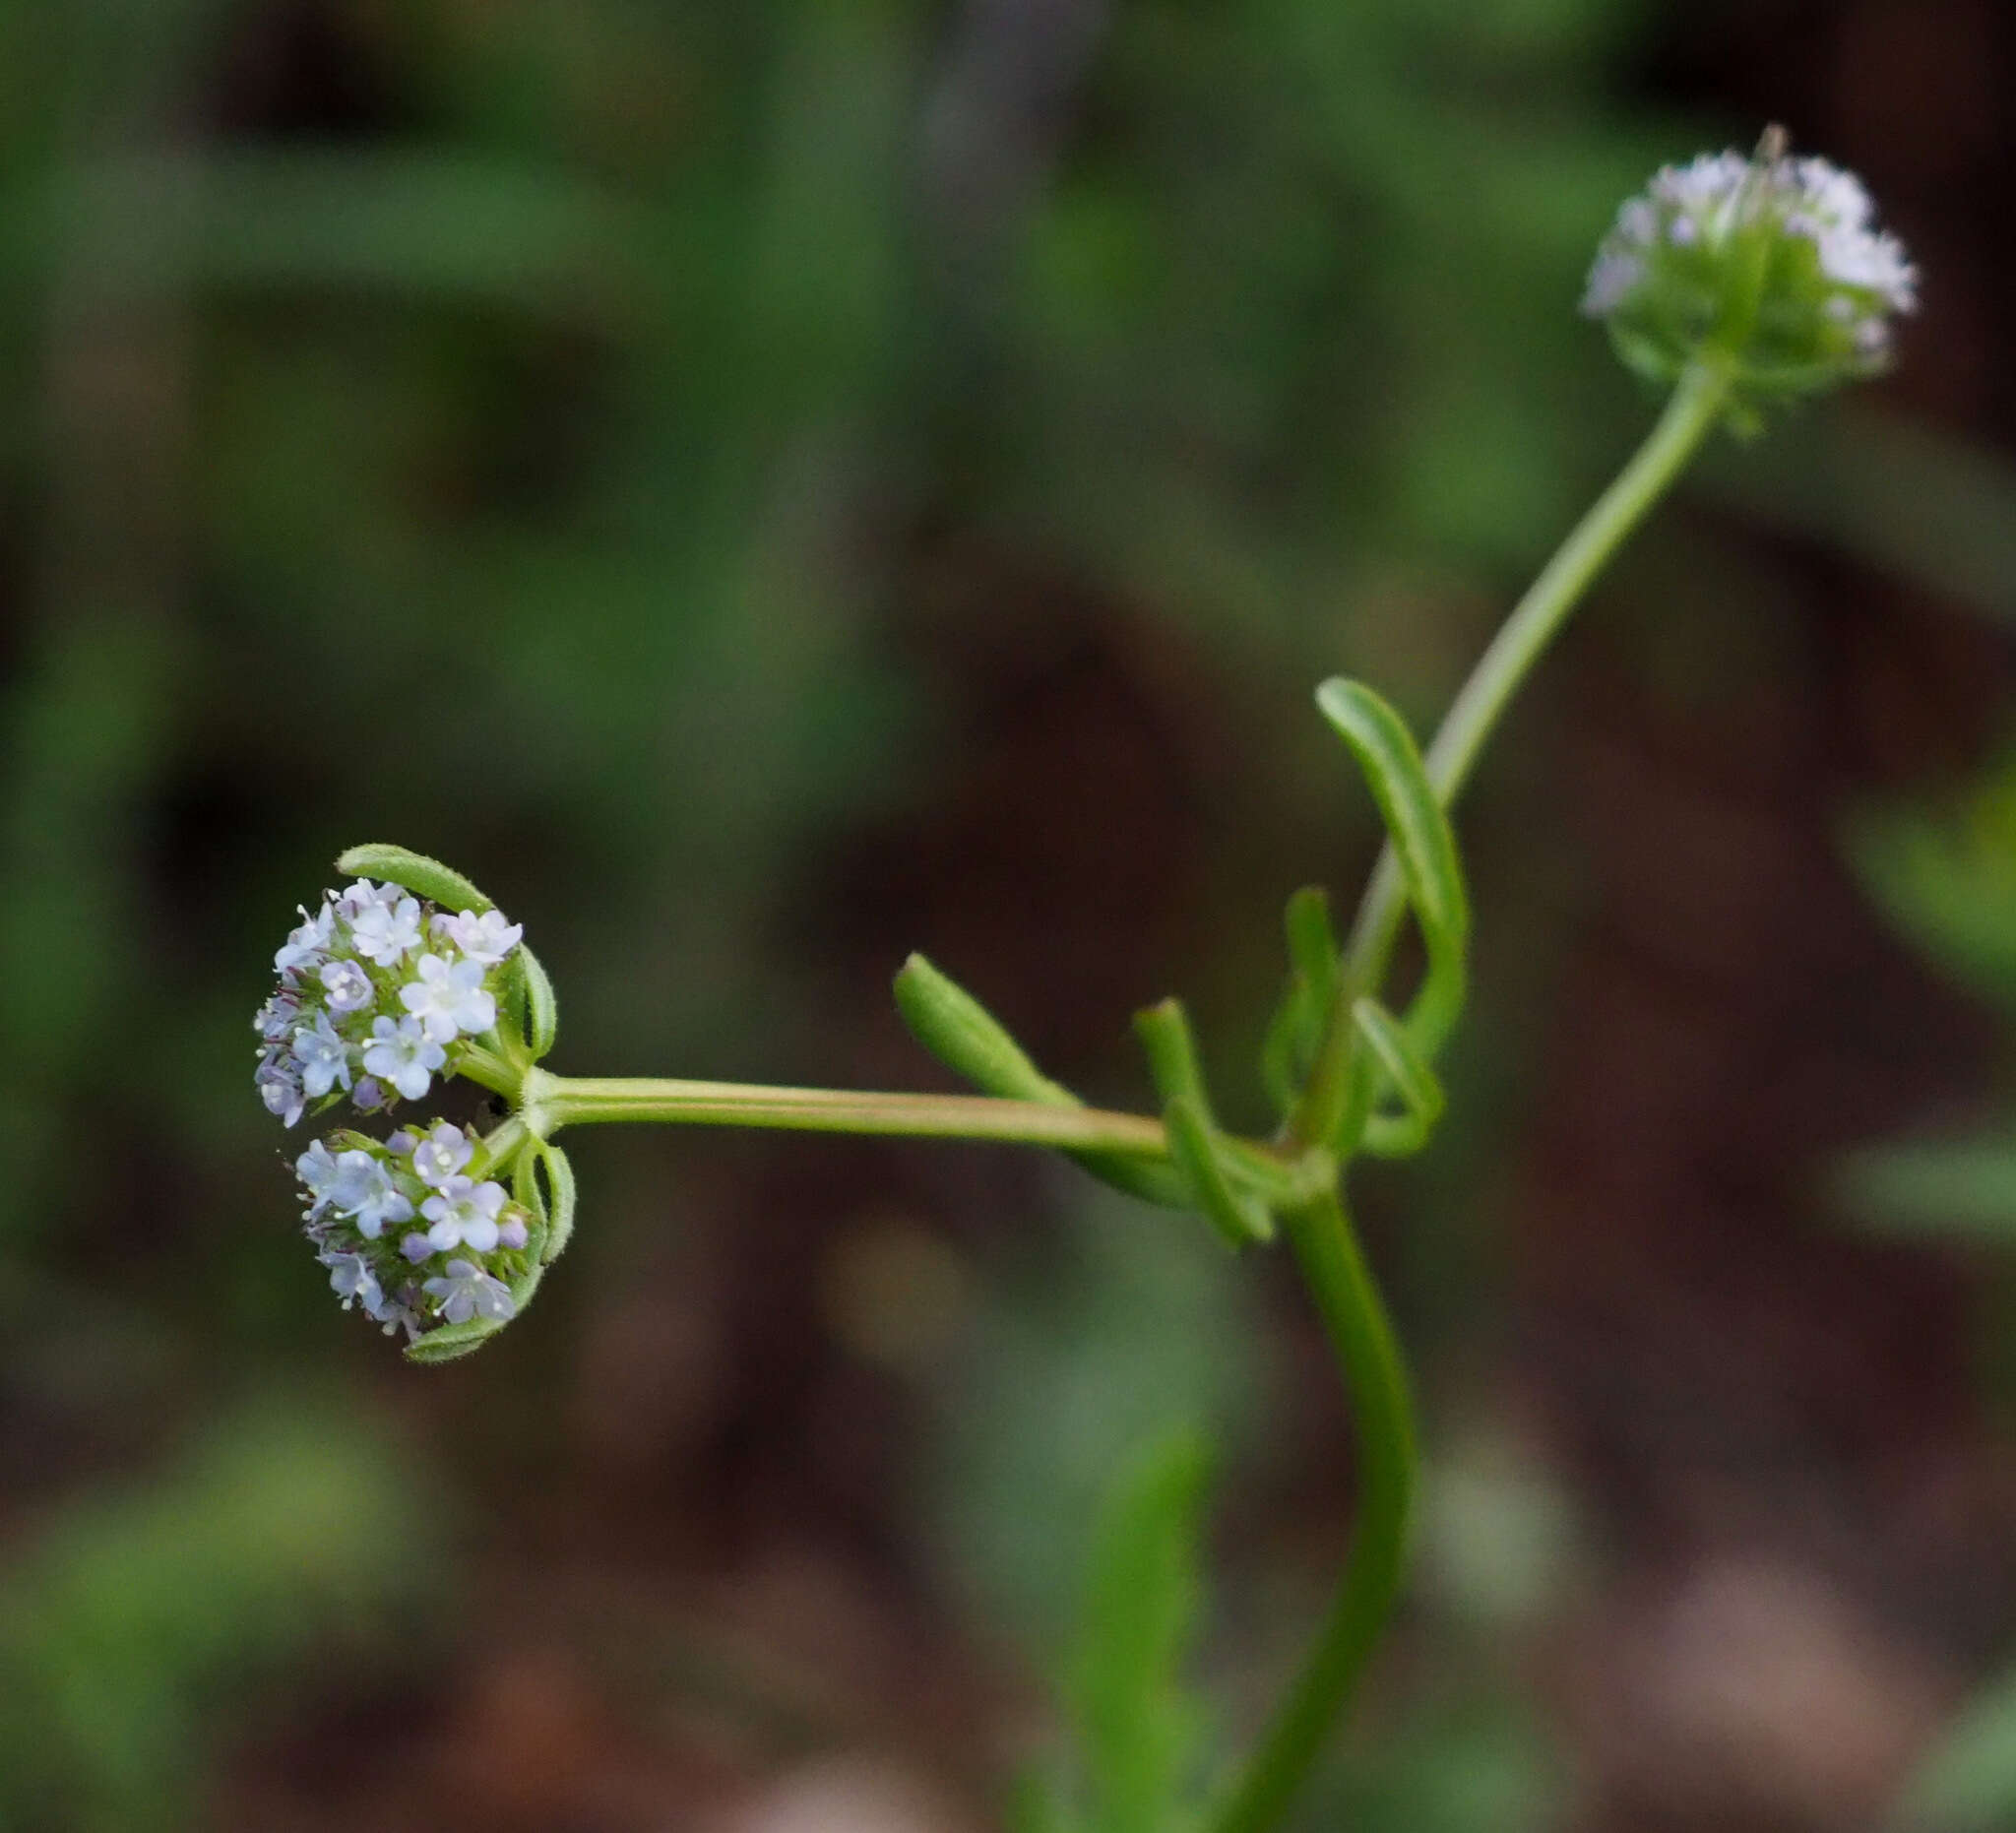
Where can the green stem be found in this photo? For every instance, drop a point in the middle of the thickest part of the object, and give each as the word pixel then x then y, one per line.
pixel 1691 415
pixel 550 1102
pixel 1356 1322
pixel 1325 1247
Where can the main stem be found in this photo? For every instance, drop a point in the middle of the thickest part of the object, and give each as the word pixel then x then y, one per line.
pixel 1356 1322
pixel 1346 1297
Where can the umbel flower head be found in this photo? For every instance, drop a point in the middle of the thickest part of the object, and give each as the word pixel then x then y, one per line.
pixel 1775 262
pixel 388 987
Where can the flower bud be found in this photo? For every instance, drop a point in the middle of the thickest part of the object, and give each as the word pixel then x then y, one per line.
pixel 1773 262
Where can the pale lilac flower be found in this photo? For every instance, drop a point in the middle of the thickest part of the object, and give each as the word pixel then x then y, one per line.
pixel 404 1054
pixel 401 1143
pixel 275 1020
pixel 347 985
pixel 324 1057
pixel 369 1095
pixel 417 1248
pixel 447 998
pixel 363 1190
pixel 280 1087
pixel 307 945
pixel 317 1171
pixel 442 1154
pixel 464 1214
pixel 511 1233
pixel 360 894
pixel 387 932
pixel 351 1278
pixel 468 1291
pixel 392 1312
pixel 488 938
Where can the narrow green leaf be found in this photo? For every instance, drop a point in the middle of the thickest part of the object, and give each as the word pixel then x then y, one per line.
pixel 541 1008
pixel 1312 942
pixel 1395 1136
pixel 422 876
pixel 968 1039
pixel 1241 1219
pixel 1419 829
pixel 1141 1728
pixel 1164 1033
pixel 559 1172
pixel 1298 1023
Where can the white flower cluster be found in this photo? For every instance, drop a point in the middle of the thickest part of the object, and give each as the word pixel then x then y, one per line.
pixel 382 1215
pixel 378 995
pixel 1828 281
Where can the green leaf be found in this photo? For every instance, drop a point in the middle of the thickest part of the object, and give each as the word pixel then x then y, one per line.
pixel 1192 1128
pixel 1141 1730
pixel 559 1174
pixel 422 876
pixel 1963 1188
pixel 541 1008
pixel 1297 1027
pixel 1419 829
pixel 971 1042
pixel 1969 1781
pixel 1948 882
pixel 1395 1136
pixel 1241 1219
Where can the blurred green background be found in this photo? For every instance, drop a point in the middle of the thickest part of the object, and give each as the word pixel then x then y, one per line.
pixel 763 488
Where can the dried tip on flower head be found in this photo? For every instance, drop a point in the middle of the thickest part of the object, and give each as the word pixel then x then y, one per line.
pixel 1776 262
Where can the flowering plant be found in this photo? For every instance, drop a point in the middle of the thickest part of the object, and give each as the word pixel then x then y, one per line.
pixel 1739 284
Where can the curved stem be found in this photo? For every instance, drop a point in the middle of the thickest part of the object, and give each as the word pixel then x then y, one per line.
pixel 1691 415
pixel 1356 1322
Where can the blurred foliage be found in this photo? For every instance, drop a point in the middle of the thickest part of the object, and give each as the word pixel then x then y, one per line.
pixel 1141 1732
pixel 129 1615
pixel 1946 878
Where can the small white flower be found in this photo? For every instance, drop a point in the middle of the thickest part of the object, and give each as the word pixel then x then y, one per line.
pixel 351 1278
pixel 442 1154
pixel 468 1291
pixel 307 945
pixel 278 1082
pixel 316 1169
pixel 488 938
pixel 363 1190
pixel 392 1312
pixel 347 985
pixel 325 1058
pixel 386 932
pixel 401 1053
pixel 464 1214
pixel 447 998
pixel 275 1020
pixel 362 894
